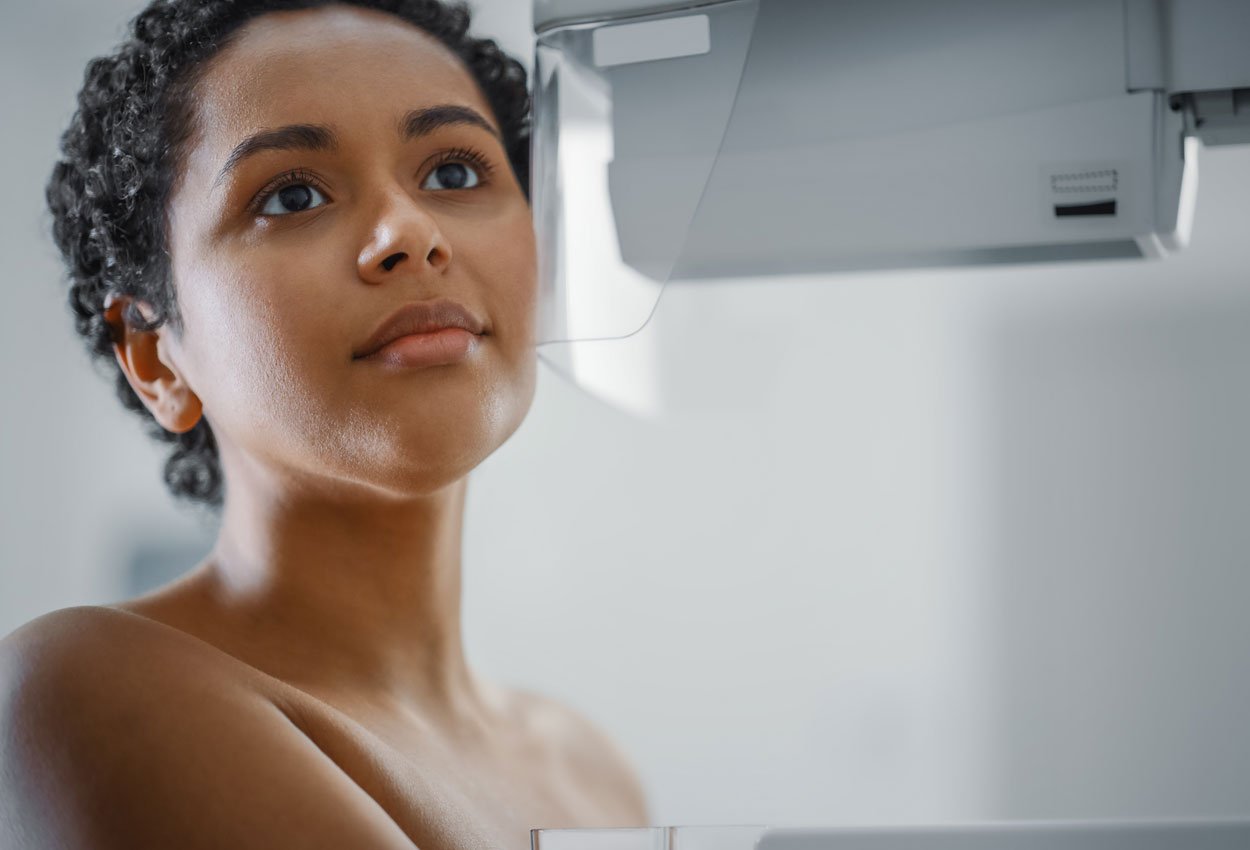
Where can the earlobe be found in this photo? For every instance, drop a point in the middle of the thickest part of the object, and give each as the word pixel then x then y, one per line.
pixel 184 412
pixel 154 378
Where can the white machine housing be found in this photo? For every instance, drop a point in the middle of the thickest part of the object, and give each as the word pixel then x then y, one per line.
pixel 902 133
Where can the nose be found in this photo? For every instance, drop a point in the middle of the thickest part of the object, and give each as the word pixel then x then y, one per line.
pixel 402 237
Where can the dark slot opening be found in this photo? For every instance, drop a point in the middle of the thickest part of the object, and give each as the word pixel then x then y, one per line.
pixel 1096 208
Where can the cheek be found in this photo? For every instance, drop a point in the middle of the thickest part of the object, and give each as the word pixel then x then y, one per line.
pixel 260 352
pixel 515 288
pixel 509 270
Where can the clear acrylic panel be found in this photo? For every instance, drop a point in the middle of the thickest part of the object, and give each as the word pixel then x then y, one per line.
pixel 738 837
pixel 613 201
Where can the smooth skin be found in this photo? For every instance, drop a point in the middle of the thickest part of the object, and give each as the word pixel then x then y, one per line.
pixel 306 684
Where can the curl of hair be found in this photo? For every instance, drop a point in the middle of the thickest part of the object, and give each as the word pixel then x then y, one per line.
pixel 120 157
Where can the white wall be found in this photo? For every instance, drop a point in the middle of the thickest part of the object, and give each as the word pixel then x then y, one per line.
pixel 968 545
pixel 80 480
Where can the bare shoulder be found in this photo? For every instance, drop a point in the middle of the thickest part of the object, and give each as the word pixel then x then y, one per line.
pixel 116 731
pixel 593 754
pixel 79 661
pixel 71 653
pixel 83 635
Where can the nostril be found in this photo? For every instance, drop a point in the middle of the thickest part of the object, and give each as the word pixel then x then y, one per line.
pixel 389 262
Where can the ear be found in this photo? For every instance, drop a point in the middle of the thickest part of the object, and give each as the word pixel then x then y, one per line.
pixel 144 357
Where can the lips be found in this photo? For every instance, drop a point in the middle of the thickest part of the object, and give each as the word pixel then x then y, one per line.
pixel 418 318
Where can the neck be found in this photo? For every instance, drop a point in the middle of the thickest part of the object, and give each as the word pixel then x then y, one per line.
pixel 358 597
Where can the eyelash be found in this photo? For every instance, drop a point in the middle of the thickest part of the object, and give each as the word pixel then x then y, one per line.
pixel 289 178
pixel 466 155
pixel 302 176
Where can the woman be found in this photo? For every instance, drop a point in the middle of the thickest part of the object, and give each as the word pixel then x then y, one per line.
pixel 300 232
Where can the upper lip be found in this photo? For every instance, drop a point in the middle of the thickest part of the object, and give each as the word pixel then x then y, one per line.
pixel 420 317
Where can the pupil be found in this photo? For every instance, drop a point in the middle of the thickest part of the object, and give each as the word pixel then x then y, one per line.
pixel 456 182
pixel 295 197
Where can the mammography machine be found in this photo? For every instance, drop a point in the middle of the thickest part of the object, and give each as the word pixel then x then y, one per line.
pixel 694 142
pixel 691 142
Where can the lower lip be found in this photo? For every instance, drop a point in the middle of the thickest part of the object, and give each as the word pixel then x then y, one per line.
pixel 437 348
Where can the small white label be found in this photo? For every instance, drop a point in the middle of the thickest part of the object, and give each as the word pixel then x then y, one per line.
pixel 648 41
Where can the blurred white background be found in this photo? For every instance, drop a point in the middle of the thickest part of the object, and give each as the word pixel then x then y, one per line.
pixel 963 545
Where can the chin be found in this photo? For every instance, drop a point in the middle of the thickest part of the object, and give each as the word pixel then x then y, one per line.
pixel 431 458
pixel 419 439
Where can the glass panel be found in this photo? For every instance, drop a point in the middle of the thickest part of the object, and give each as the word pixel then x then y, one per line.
pixel 613 201
pixel 649 838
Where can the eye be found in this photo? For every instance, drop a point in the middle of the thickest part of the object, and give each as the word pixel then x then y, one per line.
pixel 290 198
pixel 454 175
pixel 458 169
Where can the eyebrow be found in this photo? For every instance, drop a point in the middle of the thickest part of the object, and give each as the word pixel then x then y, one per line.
pixel 319 137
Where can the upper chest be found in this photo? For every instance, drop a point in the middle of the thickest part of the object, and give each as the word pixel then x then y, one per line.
pixel 449 794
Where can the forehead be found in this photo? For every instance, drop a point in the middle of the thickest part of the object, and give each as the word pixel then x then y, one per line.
pixel 334 65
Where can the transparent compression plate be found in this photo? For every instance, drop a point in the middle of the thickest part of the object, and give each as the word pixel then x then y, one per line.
pixel 594 176
pixel 649 838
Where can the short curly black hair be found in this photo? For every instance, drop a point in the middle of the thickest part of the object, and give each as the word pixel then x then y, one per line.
pixel 126 141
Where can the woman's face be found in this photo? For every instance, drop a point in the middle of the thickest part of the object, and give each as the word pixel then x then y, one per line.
pixel 280 280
